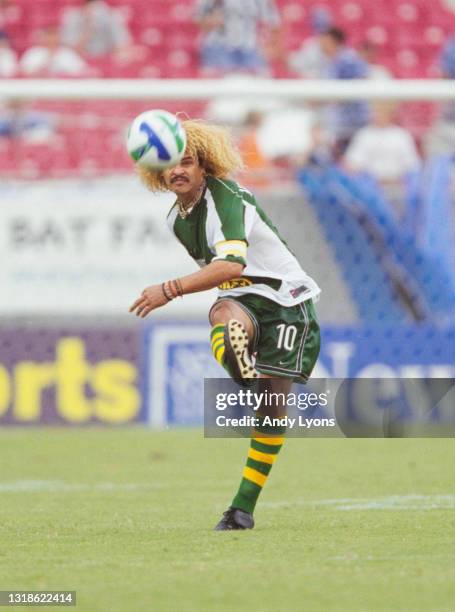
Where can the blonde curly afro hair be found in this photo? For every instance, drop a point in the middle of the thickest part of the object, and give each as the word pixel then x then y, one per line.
pixel 210 144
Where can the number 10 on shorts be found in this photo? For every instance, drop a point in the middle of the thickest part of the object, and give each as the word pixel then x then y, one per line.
pixel 286 336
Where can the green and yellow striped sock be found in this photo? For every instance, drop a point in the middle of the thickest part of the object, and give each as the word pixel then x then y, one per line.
pixel 263 451
pixel 217 342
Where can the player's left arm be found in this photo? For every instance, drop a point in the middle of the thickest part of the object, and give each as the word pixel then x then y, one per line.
pixel 211 276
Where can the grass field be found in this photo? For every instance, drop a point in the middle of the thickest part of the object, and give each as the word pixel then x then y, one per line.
pixel 125 518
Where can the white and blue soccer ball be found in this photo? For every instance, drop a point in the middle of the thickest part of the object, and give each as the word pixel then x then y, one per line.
pixel 156 140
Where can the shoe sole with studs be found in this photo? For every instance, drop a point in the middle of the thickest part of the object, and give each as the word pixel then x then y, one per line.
pixel 237 355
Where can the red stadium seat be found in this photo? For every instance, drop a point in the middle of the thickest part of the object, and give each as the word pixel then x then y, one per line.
pixel 408 35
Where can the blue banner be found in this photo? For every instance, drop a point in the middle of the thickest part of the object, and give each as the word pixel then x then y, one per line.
pixel 178 358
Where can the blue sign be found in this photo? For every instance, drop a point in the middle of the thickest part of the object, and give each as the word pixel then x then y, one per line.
pixel 178 358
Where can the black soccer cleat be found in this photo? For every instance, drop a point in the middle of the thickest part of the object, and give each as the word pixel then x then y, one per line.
pixel 234 518
pixel 237 356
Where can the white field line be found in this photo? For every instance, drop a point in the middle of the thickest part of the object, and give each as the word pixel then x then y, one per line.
pixel 392 502
pixel 58 486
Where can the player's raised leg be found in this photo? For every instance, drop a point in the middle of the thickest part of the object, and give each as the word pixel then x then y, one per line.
pixel 232 339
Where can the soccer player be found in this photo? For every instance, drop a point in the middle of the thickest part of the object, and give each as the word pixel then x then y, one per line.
pixel 263 322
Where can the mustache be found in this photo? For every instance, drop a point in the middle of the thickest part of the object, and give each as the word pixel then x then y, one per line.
pixel 179 178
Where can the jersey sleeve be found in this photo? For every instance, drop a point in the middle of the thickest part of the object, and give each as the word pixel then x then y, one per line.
pixel 226 234
pixel 231 250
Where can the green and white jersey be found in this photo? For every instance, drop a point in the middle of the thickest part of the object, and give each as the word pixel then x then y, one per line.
pixel 228 224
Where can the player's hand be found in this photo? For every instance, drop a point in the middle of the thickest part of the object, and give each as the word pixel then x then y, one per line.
pixel 151 298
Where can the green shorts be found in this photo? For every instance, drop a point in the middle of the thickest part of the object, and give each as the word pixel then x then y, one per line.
pixel 287 338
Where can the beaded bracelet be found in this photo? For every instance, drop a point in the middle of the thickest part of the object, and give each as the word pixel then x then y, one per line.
pixel 163 289
pixel 172 289
pixel 177 285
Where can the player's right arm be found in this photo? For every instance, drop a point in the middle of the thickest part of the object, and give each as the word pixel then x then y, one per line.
pixel 210 276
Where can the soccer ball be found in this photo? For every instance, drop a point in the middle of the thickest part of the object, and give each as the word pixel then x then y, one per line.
pixel 156 140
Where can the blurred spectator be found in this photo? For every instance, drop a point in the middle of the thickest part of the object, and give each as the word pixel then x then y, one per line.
pixel 95 29
pixel 231 35
pixel 343 61
pixel 17 121
pixel 10 14
pixel 345 118
pixel 50 58
pixel 275 142
pixel 252 155
pixel 310 62
pixel 441 138
pixel 383 149
pixel 288 132
pixel 447 59
pixel 8 58
pixel 368 52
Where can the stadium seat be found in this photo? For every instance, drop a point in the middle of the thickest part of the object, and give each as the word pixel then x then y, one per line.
pixel 354 246
pixel 170 26
pixel 413 262
pixel 408 35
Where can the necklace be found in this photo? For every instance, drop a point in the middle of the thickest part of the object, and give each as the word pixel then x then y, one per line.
pixel 184 211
